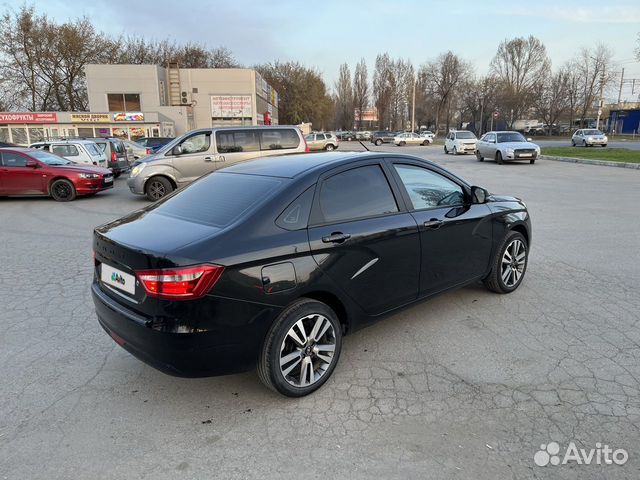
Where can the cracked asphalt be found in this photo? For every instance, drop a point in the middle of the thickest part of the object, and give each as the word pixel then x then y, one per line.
pixel 466 386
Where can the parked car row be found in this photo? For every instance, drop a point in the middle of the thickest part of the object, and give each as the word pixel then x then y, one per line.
pixel 322 141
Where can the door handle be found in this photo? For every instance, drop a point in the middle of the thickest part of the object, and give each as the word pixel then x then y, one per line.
pixel 207 159
pixel 336 237
pixel 434 224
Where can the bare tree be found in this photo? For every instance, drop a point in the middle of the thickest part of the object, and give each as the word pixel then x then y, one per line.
pixel 637 50
pixel 360 90
pixel 595 73
pixel 520 64
pixel 344 98
pixel 443 76
pixel 478 100
pixel 401 78
pixel 554 97
pixel 382 84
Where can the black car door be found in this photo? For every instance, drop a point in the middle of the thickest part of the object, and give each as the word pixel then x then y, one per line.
pixel 363 239
pixel 455 234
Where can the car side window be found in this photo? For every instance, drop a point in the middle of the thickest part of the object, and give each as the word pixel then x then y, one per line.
pixel 428 189
pixel 65 150
pixel 196 143
pixel 296 215
pixel 237 141
pixel 357 193
pixel 9 159
pixel 278 139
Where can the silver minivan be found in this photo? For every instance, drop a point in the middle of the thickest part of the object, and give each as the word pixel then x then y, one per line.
pixel 201 151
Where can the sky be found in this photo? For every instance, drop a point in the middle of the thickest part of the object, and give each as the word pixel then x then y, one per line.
pixel 327 33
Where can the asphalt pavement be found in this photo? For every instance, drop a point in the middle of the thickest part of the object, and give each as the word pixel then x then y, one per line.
pixel 469 385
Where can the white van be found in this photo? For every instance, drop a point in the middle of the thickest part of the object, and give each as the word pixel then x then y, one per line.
pixel 78 151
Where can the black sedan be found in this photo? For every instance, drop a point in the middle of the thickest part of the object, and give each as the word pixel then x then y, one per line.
pixel 270 262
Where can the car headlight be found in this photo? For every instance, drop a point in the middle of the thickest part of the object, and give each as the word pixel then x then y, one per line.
pixel 89 176
pixel 137 169
pixel 590 139
pixel 509 152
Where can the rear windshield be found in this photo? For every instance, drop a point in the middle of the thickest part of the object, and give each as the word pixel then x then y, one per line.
pixel 219 199
pixel 462 135
pixel 118 146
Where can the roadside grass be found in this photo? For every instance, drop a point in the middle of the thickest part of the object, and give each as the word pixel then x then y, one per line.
pixel 595 153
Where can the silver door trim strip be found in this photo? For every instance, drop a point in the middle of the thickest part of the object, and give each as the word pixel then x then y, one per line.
pixel 365 266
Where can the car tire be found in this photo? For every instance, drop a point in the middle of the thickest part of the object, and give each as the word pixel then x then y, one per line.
pixel 426 143
pixel 329 147
pixel 62 190
pixel 378 142
pixel 479 157
pixel 157 187
pixel 116 174
pixel 573 144
pixel 454 151
pixel 288 345
pixel 503 268
pixel 402 144
pixel 532 161
pixel 446 152
pixel 604 145
pixel 584 143
pixel 499 158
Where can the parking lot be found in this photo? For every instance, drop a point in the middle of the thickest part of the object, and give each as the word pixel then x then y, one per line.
pixel 468 385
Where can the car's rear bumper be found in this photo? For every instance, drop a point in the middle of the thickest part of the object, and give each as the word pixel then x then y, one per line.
pixel 190 354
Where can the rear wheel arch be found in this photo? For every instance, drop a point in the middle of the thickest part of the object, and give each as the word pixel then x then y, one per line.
pixel 333 302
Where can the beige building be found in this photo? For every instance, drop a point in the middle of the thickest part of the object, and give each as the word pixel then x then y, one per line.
pixel 133 101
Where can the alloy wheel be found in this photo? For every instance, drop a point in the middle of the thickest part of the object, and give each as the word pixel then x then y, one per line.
pixel 62 190
pixel 514 262
pixel 307 350
pixel 157 190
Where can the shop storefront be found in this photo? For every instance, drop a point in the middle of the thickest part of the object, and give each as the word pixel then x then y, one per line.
pixel 29 127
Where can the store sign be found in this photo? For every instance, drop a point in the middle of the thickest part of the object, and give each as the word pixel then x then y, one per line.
pixel 231 106
pixel 90 118
pixel 128 117
pixel 29 117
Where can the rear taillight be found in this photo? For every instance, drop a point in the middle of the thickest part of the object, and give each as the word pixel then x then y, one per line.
pixel 184 283
pixel 148 150
pixel 114 157
pixel 306 145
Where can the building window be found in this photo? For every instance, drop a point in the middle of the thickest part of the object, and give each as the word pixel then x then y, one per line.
pixel 124 102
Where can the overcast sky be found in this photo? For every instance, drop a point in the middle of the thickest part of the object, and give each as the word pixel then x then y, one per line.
pixel 327 33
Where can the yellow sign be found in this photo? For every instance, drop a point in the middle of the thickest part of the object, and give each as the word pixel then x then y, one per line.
pixel 90 118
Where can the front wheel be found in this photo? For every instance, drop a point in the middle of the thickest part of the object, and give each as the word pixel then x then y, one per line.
pixel 573 144
pixel 63 190
pixel 509 265
pixel 479 157
pixel 329 147
pixel 604 145
pixel 157 187
pixel 426 143
pixel 402 144
pixel 116 174
pixel 301 349
pixel 532 161
pixel 499 158
pixel 455 151
pixel 445 150
pixel 378 142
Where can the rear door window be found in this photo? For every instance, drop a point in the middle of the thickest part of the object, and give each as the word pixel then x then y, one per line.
pixel 278 139
pixel 65 150
pixel 230 141
pixel 219 199
pixel 358 193
pixel 93 149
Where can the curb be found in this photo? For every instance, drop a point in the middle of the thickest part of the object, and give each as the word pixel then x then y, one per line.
pixel 585 161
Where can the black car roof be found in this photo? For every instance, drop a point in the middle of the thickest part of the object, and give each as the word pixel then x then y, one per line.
pixel 291 166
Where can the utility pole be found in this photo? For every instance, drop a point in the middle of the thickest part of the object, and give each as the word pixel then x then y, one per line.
pixel 621 82
pixel 413 108
pixel 600 102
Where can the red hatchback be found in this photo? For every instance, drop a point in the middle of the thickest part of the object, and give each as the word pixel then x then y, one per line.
pixel 24 171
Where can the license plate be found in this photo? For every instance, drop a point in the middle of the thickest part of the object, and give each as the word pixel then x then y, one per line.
pixel 118 279
pixel 108 180
pixel 523 155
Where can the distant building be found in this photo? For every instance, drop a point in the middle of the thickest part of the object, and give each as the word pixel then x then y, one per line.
pixel 133 101
pixel 625 120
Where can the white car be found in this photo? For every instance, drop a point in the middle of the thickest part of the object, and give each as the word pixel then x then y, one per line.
pixel 460 141
pixel 428 134
pixel 409 138
pixel 78 151
pixel 588 137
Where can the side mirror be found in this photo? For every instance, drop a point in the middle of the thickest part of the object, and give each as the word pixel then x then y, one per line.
pixel 529 139
pixel 177 150
pixel 479 195
pixel 32 164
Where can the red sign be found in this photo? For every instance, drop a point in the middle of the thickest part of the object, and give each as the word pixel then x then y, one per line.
pixel 29 117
